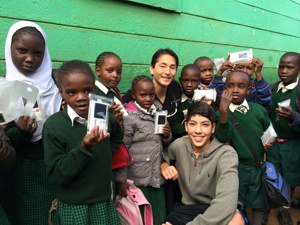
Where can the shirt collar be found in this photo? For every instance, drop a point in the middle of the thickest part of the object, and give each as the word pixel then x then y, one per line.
pixel 74 116
pixel 150 111
pixel 233 107
pixel 184 97
pixel 287 87
pixel 101 87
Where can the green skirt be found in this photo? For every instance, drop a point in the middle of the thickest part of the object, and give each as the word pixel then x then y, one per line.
pixel 156 197
pixel 3 218
pixel 92 214
pixel 34 192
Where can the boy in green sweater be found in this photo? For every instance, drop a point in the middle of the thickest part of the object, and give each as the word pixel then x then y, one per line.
pixel 253 120
pixel 189 80
pixel 79 162
pixel 285 153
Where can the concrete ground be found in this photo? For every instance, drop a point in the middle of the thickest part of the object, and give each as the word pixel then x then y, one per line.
pixel 295 213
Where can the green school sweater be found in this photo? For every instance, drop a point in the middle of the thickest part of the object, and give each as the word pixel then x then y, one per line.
pixel 177 126
pixel 253 124
pixel 283 129
pixel 84 176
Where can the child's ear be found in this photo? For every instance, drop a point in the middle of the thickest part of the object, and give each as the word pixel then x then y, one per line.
pixel 248 89
pixel 97 68
pixel 132 95
pixel 213 128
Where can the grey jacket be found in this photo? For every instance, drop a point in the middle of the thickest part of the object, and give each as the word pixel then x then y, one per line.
pixel 145 147
pixel 212 178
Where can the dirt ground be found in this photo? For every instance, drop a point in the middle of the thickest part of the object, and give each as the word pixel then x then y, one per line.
pixel 295 213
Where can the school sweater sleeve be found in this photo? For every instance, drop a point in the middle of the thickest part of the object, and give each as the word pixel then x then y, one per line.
pixel 261 94
pixel 296 122
pixel 177 127
pixel 129 131
pixel 60 164
pixel 223 206
pixel 218 84
pixel 116 133
pixel 223 131
pixel 7 152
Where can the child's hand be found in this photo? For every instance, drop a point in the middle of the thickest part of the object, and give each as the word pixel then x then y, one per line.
pixel 206 101
pixel 269 145
pixel 94 137
pixel 116 111
pixel 166 130
pixel 258 67
pixel 122 187
pixel 225 66
pixel 168 172
pixel 27 124
pixel 225 101
pixel 286 113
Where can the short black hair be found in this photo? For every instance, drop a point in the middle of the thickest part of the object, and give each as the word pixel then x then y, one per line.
pixel 293 54
pixel 164 51
pixel 102 56
pixel 190 67
pixel 202 58
pixel 202 109
pixel 139 78
pixel 74 66
pixel 241 72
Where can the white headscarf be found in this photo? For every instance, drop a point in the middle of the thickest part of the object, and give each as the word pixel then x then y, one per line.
pixel 48 92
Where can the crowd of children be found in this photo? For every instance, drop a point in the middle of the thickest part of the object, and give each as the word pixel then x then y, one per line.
pixel 197 170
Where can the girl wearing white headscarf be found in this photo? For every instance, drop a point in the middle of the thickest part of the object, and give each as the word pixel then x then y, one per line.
pixel 34 192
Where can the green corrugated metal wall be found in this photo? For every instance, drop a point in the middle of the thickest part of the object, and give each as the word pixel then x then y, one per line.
pixel 81 29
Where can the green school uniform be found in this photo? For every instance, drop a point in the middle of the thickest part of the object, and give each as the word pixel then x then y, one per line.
pixel 253 124
pixel 84 175
pixel 285 154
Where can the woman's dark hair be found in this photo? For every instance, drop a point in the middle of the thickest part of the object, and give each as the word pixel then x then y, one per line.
pixel 74 66
pixel 164 51
pixel 202 109
pixel 139 78
pixel 100 59
pixel 27 31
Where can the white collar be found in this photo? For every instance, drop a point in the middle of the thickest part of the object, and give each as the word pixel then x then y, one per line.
pixel 233 107
pixel 74 116
pixel 287 87
pixel 184 98
pixel 103 88
pixel 150 111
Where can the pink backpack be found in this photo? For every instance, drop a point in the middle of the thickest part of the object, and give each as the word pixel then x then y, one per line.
pixel 128 207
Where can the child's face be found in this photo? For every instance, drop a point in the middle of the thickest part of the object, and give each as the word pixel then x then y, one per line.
pixel 288 69
pixel 164 70
pixel 199 130
pixel 237 84
pixel 110 72
pixel 206 71
pixel 144 94
pixel 27 53
pixel 189 81
pixel 246 67
pixel 75 89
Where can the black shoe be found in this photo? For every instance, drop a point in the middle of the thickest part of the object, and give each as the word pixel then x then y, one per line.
pixel 266 217
pixel 298 222
pixel 296 203
pixel 284 217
